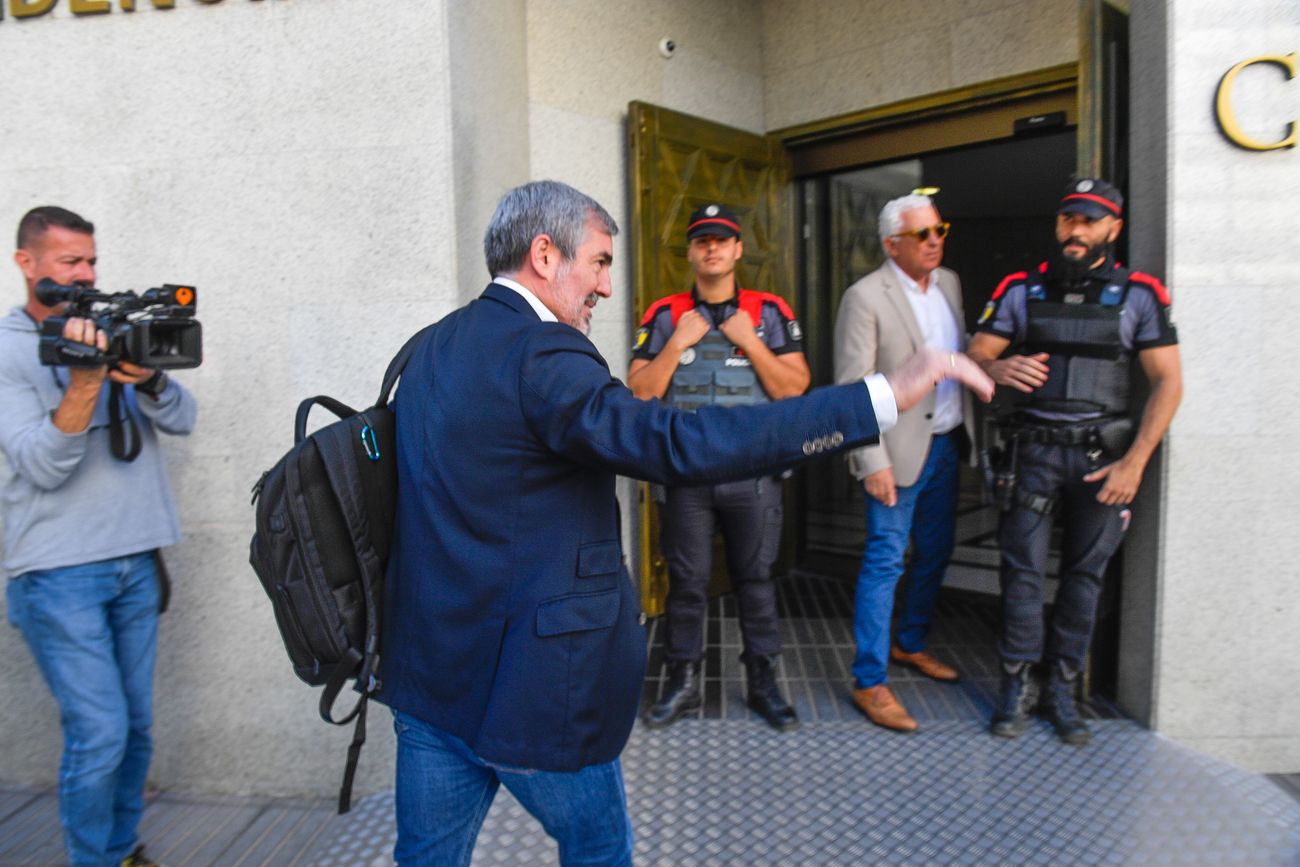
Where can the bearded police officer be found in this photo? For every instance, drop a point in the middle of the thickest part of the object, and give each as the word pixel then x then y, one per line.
pixel 1075 325
pixel 720 344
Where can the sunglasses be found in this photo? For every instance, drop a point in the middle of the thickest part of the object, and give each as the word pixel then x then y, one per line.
pixel 923 234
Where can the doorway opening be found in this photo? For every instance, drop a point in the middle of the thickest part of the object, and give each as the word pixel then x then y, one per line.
pixel 1001 198
pixel 808 198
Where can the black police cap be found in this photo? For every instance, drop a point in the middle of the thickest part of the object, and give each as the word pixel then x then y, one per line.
pixel 1093 197
pixel 713 219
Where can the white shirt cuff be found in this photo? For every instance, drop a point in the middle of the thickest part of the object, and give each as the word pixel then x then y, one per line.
pixel 882 401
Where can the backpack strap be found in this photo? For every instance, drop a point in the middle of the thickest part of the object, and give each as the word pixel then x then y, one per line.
pixel 338 407
pixel 354 753
pixel 340 675
pixel 344 670
pixel 355 491
pixel 398 363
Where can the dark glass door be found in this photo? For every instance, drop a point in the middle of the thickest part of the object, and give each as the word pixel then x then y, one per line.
pixel 1001 200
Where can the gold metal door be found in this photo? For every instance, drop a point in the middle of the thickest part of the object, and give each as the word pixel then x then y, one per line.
pixel 679 162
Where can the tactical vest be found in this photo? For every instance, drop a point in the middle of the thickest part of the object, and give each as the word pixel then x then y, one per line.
pixel 1090 371
pixel 713 371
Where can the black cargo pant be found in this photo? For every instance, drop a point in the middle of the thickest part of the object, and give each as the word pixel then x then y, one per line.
pixel 749 514
pixel 1090 533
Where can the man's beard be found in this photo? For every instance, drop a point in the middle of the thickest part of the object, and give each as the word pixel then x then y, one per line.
pixel 575 311
pixel 1071 271
pixel 582 316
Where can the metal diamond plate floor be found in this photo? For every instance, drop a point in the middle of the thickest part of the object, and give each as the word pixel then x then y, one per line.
pixel 722 789
pixel 817 641
pixel 720 792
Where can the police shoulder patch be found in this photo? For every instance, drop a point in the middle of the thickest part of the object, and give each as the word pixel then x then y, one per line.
pixel 642 334
pixel 793 329
pixel 989 309
pixel 1157 288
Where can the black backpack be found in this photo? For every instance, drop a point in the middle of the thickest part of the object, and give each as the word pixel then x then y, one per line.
pixel 325 515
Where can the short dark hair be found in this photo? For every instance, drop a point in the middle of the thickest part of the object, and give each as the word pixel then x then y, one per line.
pixel 37 222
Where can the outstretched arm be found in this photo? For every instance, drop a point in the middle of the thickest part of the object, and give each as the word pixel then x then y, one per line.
pixel 915 378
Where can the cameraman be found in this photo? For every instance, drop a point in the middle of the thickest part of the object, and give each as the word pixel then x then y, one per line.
pixel 81 532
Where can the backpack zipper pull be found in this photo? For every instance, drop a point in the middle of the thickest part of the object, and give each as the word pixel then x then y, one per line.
pixel 257 488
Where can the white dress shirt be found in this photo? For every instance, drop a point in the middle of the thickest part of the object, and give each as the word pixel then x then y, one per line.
pixel 939 329
pixel 543 312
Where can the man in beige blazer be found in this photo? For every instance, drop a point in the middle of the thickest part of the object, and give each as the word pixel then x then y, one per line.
pixel 911 476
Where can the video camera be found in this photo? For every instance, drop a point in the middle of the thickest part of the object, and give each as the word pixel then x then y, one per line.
pixel 156 329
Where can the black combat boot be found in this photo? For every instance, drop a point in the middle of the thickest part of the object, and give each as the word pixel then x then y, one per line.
pixel 1018 696
pixel 764 697
pixel 680 696
pixel 1058 705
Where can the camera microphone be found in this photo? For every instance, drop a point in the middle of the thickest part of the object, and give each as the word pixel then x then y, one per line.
pixel 50 293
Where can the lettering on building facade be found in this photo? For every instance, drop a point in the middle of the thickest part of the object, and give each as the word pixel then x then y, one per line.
pixel 36 8
pixel 1227 118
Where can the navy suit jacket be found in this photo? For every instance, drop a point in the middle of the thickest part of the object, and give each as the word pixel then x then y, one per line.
pixel 510 619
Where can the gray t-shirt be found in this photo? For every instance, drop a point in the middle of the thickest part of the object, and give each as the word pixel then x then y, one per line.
pixel 67 500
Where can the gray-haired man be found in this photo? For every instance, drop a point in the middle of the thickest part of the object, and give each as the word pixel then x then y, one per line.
pixel 512 650
pixel 910 477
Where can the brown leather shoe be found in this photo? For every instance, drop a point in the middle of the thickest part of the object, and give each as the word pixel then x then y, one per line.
pixel 880 706
pixel 925 663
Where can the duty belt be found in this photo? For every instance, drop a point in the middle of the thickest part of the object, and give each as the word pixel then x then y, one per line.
pixel 1063 435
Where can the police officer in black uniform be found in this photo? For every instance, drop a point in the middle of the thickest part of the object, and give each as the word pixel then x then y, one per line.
pixel 1074 325
pixel 723 345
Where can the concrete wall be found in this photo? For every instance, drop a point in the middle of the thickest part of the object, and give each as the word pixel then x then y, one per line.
pixel 489 97
pixel 1145 225
pixel 823 58
pixel 294 161
pixel 1229 654
pixel 587 59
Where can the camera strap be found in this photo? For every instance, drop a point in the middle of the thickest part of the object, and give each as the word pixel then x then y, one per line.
pixel 119 422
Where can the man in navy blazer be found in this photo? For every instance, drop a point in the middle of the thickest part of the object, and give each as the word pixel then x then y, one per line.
pixel 512 647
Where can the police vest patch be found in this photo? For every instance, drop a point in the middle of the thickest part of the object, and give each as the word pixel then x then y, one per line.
pixel 688 355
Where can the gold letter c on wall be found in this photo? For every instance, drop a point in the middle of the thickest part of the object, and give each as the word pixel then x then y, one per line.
pixel 1228 120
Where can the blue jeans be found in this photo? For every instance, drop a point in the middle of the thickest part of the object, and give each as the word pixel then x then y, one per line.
pixel 444 791
pixel 926 513
pixel 93 630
